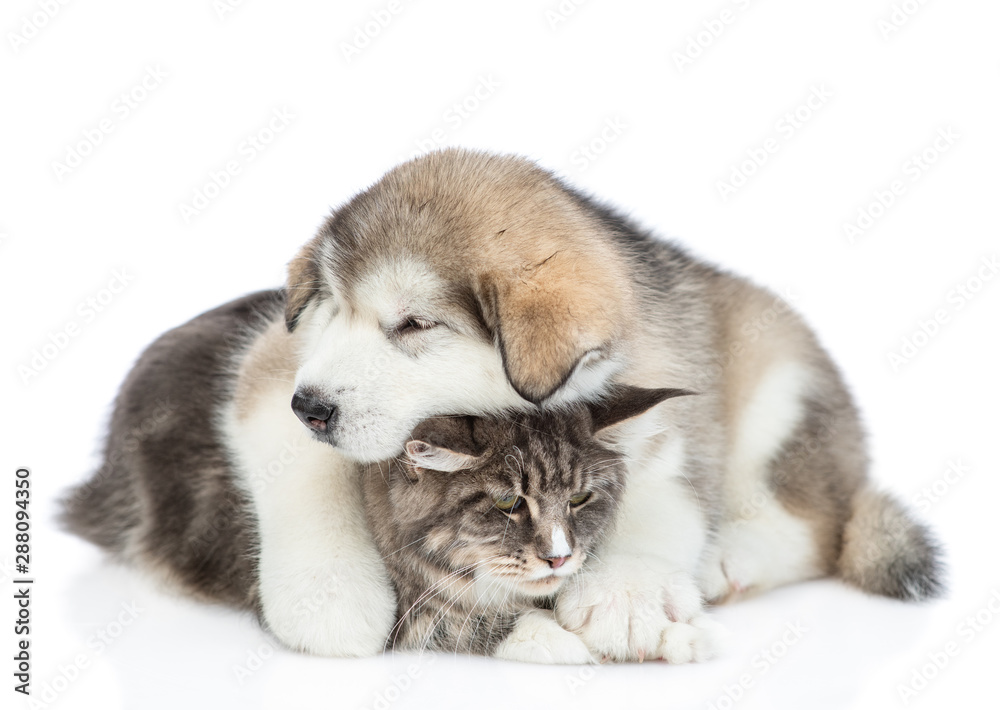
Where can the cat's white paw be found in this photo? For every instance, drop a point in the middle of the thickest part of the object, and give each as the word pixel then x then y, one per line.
pixel 537 638
pixel 700 639
pixel 328 611
pixel 622 611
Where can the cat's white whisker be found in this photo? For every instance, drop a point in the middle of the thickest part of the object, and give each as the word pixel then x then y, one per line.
pixel 497 612
pixel 414 542
pixel 443 613
pixel 429 594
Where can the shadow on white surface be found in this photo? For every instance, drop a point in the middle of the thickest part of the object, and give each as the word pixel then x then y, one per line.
pixel 813 645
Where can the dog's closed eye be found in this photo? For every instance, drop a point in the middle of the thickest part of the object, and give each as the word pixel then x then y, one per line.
pixel 413 324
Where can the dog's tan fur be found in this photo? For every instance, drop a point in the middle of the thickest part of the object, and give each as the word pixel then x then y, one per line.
pixel 550 285
pixel 268 363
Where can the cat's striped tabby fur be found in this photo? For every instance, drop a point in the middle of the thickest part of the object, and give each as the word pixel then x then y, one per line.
pixel 484 519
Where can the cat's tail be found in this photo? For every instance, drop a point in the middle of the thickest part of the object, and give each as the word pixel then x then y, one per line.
pixel 886 551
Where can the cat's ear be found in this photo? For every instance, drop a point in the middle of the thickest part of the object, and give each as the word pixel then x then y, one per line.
pixel 443 444
pixel 624 402
pixel 423 455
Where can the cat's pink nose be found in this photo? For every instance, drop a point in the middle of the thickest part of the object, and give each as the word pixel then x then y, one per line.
pixel 556 562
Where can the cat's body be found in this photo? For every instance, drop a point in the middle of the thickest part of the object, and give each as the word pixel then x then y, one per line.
pixel 485 519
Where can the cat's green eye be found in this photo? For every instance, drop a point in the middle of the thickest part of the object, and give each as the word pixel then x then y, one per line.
pixel 508 503
pixel 579 498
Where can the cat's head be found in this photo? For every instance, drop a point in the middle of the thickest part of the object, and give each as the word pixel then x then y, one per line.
pixel 522 501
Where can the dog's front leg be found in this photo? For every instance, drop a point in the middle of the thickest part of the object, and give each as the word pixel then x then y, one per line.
pixel 323 586
pixel 640 599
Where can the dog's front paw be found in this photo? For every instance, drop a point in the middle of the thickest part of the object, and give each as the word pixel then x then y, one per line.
pixel 326 612
pixel 537 638
pixel 698 640
pixel 622 612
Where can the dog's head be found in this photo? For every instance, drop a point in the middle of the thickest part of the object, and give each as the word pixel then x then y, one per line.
pixel 460 283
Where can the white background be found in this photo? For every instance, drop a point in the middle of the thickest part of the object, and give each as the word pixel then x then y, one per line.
pixel 674 133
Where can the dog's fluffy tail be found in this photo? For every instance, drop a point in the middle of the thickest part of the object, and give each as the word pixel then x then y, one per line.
pixel 886 551
pixel 102 510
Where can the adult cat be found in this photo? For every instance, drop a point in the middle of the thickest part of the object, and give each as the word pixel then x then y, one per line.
pixel 483 520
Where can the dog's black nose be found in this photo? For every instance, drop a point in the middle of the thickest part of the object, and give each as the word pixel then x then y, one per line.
pixel 313 411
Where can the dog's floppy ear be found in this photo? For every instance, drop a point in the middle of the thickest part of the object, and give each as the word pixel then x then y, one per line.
pixel 544 323
pixel 303 283
pixel 624 402
pixel 443 444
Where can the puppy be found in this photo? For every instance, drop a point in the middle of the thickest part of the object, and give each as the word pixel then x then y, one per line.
pixel 471 283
